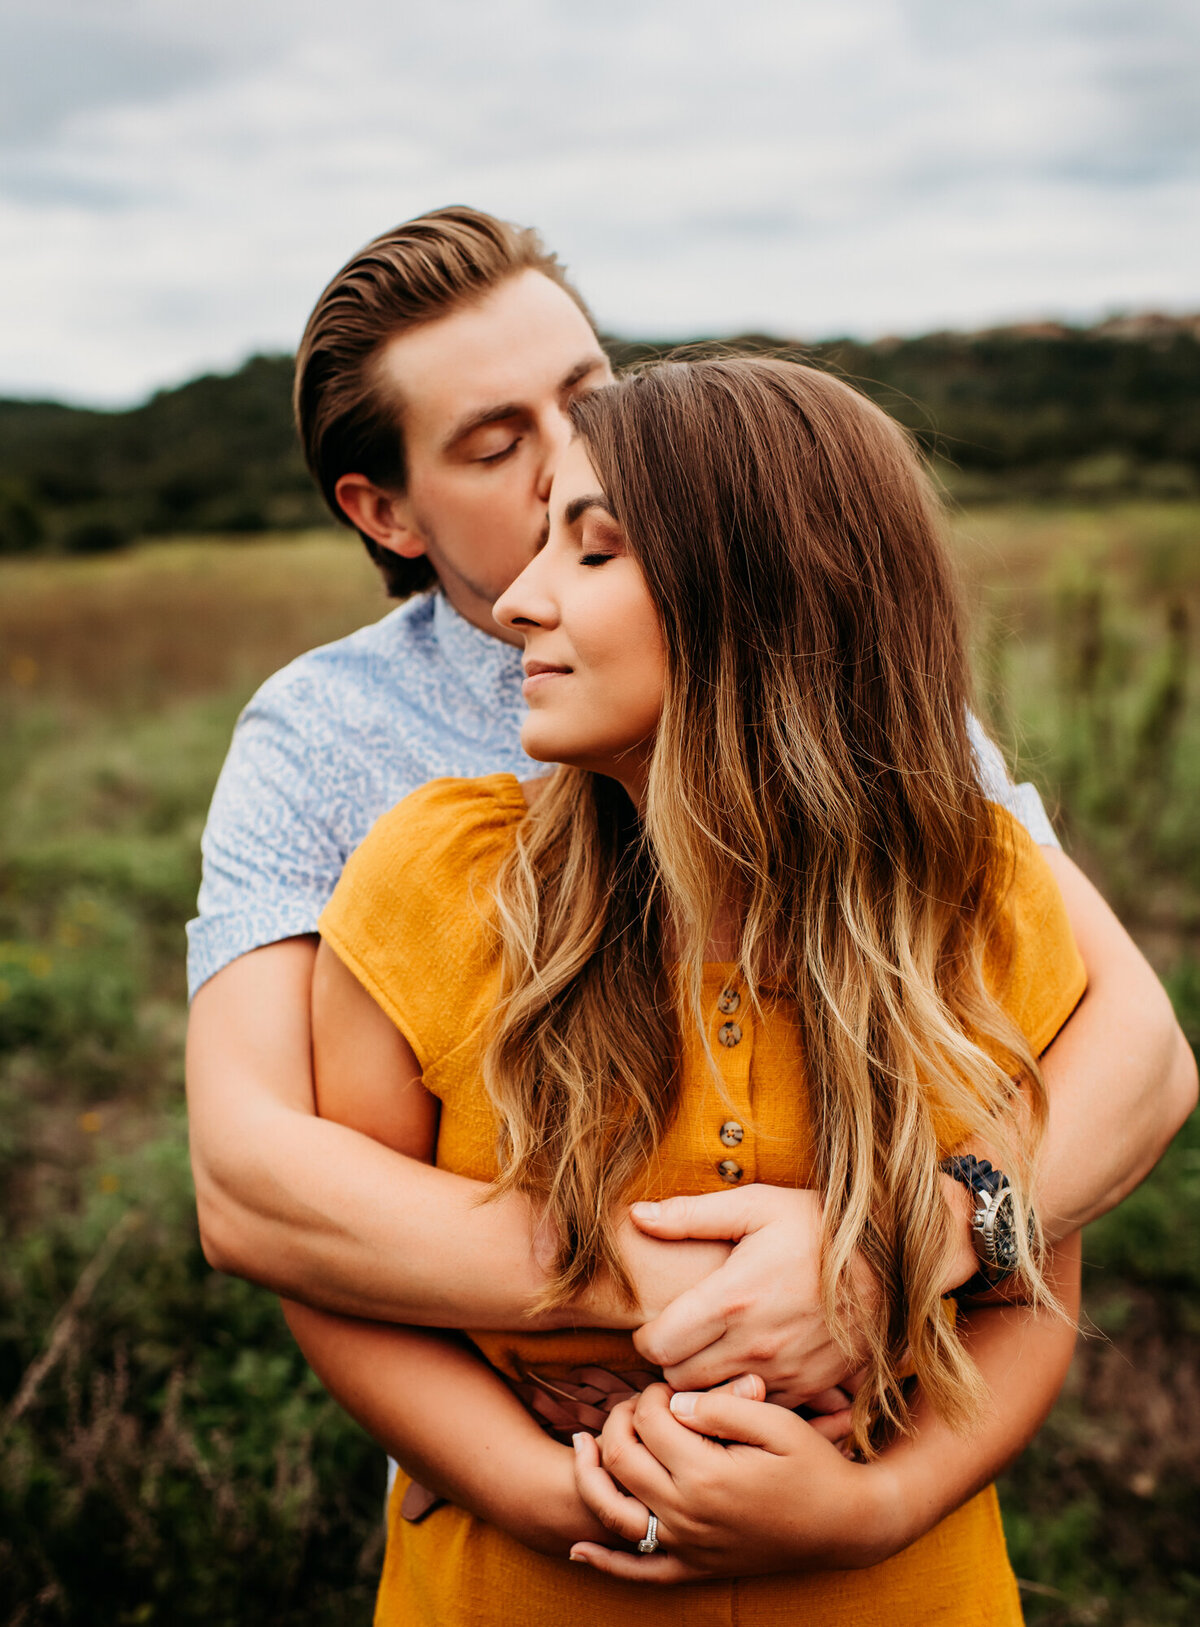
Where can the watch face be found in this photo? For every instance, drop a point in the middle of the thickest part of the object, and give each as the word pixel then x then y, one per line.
pixel 1003 1234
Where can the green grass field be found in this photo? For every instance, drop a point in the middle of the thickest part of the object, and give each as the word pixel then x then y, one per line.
pixel 164 1455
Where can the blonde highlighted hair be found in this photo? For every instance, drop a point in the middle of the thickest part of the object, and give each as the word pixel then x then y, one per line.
pixel 812 767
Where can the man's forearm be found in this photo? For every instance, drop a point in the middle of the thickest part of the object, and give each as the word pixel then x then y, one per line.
pixel 312 1209
pixel 329 1217
pixel 1121 1077
pixel 450 1421
pixel 321 1214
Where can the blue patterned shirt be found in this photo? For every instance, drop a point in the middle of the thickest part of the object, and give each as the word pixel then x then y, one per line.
pixel 342 734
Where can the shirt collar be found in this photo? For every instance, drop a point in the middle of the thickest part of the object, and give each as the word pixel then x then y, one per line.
pixel 482 663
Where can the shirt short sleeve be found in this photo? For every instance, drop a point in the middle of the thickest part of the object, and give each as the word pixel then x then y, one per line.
pixel 271 847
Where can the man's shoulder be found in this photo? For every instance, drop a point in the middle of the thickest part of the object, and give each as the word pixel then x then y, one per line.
pixel 371 657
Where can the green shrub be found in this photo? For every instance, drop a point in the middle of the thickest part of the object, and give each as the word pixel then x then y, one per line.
pixel 178 1462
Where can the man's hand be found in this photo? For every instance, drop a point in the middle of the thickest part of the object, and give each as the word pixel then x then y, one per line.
pixel 760 1312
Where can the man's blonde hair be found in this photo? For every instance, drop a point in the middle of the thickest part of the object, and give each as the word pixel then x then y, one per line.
pixel 415 273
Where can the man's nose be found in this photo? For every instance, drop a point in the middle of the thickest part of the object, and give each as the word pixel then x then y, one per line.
pixel 557 433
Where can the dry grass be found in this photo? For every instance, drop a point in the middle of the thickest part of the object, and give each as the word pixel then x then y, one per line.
pixel 175 619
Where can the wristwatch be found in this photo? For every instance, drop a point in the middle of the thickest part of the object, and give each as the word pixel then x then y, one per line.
pixel 994 1223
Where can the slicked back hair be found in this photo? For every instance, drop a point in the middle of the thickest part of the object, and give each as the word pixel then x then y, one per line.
pixel 427 268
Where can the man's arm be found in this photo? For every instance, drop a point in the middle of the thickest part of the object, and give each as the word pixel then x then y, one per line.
pixel 1121 1076
pixel 451 1422
pixel 323 1214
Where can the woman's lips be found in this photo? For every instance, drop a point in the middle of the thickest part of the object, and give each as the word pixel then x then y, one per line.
pixel 538 674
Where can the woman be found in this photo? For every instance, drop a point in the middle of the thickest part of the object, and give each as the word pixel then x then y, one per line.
pixel 765 861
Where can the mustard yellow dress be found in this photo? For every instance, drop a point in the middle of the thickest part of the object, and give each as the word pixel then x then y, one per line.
pixel 410 919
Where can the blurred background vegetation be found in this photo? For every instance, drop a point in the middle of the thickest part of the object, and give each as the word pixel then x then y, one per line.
pixel 164 1454
pixel 1035 411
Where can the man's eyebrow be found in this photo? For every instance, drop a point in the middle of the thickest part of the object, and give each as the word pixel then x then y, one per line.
pixel 589 364
pixel 476 420
pixel 511 409
pixel 579 506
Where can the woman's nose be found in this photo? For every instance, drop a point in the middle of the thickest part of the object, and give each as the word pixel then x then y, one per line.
pixel 526 603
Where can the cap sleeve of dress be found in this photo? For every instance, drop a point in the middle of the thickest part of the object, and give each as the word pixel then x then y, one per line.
pixel 1032 964
pixel 411 915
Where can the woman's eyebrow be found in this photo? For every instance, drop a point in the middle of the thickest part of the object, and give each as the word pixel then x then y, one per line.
pixel 579 506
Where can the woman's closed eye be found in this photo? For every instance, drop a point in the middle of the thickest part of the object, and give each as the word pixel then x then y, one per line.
pixel 600 539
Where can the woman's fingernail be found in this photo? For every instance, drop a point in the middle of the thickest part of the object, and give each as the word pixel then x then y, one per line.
pixel 683 1405
pixel 646 1211
pixel 747 1386
pixel 578 1440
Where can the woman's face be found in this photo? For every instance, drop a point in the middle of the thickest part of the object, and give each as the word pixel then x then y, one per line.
pixel 594 658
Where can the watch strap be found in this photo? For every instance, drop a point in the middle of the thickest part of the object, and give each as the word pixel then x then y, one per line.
pixel 982 1179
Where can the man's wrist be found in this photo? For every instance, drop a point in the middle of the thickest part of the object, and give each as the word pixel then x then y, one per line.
pixel 877 1520
pixel 963 1262
pixel 550 1515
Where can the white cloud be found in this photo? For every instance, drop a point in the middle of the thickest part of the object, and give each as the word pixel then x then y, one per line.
pixel 866 166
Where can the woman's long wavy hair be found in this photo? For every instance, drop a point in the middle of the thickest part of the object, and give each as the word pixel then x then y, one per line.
pixel 811 767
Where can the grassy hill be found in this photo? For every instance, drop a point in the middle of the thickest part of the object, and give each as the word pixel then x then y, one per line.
pixel 1092 414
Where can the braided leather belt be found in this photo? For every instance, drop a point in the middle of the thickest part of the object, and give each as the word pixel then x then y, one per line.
pixel 582 1400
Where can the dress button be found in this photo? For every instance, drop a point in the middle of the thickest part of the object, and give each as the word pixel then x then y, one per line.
pixel 729 1171
pixel 729 1035
pixel 729 1002
pixel 732 1133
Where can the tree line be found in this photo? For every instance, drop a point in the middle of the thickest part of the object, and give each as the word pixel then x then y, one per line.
pixel 1040 411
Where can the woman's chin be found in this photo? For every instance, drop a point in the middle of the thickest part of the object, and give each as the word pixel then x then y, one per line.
pixel 539 743
pixel 561 750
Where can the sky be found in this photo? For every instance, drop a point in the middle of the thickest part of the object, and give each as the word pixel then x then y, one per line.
pixel 179 181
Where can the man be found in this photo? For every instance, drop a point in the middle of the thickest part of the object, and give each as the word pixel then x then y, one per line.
pixel 432 388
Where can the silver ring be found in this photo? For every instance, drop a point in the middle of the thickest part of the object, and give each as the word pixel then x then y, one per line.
pixel 650 1541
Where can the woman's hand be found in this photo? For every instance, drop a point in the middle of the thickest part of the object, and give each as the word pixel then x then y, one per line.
pixel 739 1487
pixel 759 1312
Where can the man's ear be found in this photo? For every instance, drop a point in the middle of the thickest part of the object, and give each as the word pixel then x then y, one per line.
pixel 380 515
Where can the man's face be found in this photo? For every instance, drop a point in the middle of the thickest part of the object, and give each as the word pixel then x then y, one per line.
pixel 485 392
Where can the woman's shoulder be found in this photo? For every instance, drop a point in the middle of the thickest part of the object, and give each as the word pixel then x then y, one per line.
pixel 446 821
pixel 409 915
pixel 428 852
pixel 1029 882
pixel 1033 964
